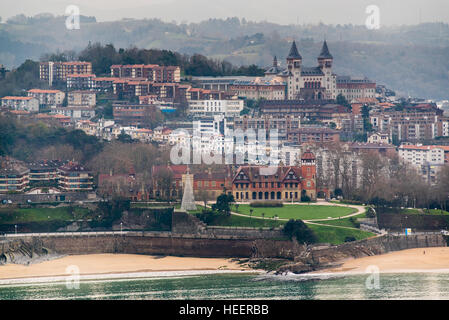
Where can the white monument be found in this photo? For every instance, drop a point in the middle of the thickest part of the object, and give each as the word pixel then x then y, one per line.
pixel 188 200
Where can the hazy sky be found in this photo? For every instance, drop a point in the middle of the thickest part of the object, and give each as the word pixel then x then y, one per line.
pixel 392 12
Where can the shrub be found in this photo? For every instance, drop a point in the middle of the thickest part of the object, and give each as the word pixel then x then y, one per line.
pixel 350 239
pixel 266 204
pixel 299 230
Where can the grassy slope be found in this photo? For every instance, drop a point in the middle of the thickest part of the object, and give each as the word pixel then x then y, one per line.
pixel 345 222
pixel 12 216
pixel 303 212
pixel 329 234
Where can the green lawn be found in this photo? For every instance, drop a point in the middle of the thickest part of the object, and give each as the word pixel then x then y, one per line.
pixel 237 221
pixel 345 222
pixel 292 211
pixel 329 234
pixel 425 211
pixel 12 216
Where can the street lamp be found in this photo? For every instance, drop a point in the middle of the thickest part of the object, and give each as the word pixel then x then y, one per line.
pixel 121 227
pixel 15 228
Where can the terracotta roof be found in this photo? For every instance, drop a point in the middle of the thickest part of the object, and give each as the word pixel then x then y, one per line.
pixel 308 155
pixel 81 75
pixel 17 98
pixel 43 91
pixel 407 146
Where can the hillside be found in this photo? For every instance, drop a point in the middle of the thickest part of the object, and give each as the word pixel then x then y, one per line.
pixel 410 59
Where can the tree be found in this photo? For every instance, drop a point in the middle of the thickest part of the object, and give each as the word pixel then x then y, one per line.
pixel 367 126
pixel 124 137
pixel 300 231
pixel 341 99
pixel 223 203
pixel 205 196
pixel 164 183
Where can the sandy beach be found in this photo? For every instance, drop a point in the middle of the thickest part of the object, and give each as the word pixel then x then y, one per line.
pixel 114 264
pixel 412 260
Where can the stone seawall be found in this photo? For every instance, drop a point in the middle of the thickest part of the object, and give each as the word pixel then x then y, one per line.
pixel 166 244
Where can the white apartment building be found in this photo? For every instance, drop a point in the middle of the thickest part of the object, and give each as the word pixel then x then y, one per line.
pixel 82 98
pixel 47 97
pixel 419 155
pixel 75 113
pixel 30 104
pixel 208 108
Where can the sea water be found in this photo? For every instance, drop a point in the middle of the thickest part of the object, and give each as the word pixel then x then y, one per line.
pixel 242 286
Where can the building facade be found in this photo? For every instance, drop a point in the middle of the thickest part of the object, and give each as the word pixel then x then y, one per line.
pixel 58 71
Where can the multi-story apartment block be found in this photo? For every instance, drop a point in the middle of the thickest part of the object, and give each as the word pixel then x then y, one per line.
pixel 58 71
pixel 151 72
pixel 85 81
pixel 104 84
pixel 220 83
pixel 30 104
pixel 133 114
pixel 443 127
pixel 266 122
pixel 47 97
pixel 407 125
pixel 14 175
pixel 313 135
pixel 208 108
pixel 206 94
pixel 74 177
pixel 419 155
pixel 82 98
pixel 75 113
pixel 44 171
pixel 306 110
pixel 428 160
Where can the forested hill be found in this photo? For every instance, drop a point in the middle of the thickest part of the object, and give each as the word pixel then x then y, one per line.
pixel 410 59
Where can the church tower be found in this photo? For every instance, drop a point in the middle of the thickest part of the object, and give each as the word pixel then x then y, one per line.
pixel 325 61
pixel 294 61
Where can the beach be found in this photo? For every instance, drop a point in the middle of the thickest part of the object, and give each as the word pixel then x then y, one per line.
pixel 103 264
pixel 404 261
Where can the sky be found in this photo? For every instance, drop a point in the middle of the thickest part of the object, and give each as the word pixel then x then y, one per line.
pixel 392 12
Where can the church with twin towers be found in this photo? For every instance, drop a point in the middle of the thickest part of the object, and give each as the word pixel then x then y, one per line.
pixel 307 83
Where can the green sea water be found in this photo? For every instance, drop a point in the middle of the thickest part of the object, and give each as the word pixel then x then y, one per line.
pixel 241 286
